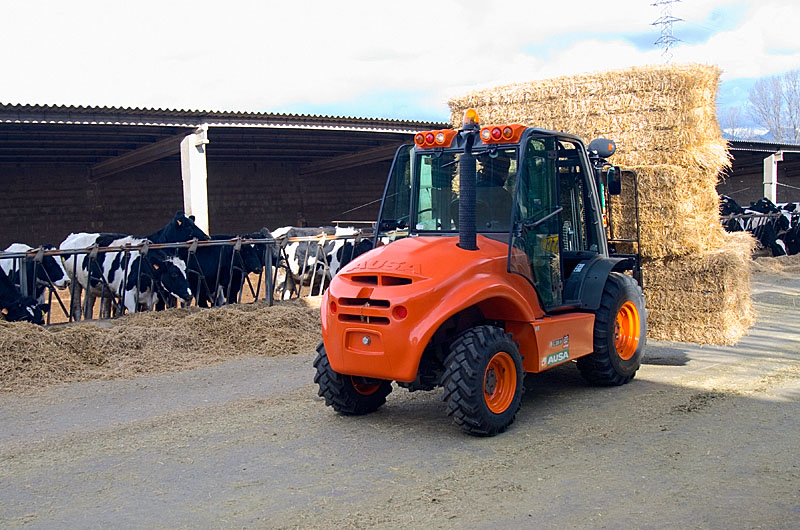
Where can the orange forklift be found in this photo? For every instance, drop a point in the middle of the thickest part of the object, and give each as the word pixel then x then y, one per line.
pixel 491 260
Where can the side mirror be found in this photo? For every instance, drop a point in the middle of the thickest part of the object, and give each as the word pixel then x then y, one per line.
pixel 614 180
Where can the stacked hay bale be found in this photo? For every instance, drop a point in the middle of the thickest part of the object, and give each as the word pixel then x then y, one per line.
pixel 663 119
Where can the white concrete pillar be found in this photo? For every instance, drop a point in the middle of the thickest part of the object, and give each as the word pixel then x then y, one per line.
pixel 195 176
pixel 771 175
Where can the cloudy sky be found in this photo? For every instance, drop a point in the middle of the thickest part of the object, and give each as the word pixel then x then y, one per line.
pixel 374 58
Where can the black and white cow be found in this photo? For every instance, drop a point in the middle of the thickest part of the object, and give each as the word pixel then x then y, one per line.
pixel 728 206
pixel 267 252
pixel 38 275
pixel 302 262
pixel 17 308
pixel 134 278
pixel 769 223
pixel 250 260
pixel 348 246
pixel 315 261
pixel 216 273
pixel 791 240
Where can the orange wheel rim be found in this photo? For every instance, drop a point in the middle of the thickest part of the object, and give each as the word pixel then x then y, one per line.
pixel 364 388
pixel 499 382
pixel 626 330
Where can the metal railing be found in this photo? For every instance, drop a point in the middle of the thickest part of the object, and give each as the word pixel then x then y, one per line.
pixel 750 220
pixel 277 277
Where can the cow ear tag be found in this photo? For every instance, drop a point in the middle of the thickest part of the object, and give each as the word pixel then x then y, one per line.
pixel 179 222
pixel 155 266
pixel 4 311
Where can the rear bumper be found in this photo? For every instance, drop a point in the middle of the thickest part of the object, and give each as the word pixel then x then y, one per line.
pixel 365 333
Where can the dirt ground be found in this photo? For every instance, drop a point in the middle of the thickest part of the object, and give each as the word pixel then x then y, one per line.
pixel 704 437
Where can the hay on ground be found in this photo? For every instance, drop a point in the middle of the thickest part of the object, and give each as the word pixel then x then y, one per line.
pixel 178 339
pixel 780 264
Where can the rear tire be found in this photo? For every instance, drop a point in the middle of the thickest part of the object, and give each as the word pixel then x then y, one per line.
pixel 348 395
pixel 483 380
pixel 620 333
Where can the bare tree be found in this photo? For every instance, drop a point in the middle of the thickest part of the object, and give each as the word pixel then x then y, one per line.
pixel 791 96
pixel 732 120
pixel 775 104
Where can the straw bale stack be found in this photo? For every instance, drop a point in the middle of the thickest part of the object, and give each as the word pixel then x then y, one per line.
pixel 663 120
pixel 679 213
pixel 655 114
pixel 702 298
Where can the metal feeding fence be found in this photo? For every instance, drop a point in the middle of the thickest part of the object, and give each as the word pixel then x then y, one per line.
pixel 290 267
pixel 749 221
pixel 778 232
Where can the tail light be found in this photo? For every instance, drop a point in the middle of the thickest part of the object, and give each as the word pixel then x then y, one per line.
pixel 429 139
pixel 400 312
pixel 502 133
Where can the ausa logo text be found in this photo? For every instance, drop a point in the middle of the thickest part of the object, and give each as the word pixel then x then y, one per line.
pixel 555 358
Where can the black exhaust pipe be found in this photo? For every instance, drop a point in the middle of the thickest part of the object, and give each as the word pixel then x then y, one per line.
pixel 467 225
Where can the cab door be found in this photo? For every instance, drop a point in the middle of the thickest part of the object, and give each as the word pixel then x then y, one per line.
pixel 535 239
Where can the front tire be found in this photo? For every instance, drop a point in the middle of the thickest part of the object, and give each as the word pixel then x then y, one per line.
pixel 483 381
pixel 348 395
pixel 620 333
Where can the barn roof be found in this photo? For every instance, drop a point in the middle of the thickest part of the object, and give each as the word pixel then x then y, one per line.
pixel 89 115
pixel 762 147
pixel 115 137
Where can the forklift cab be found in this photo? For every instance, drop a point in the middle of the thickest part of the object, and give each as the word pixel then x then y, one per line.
pixel 536 190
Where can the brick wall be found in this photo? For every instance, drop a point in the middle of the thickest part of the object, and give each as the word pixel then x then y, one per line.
pixel 244 197
pixel 747 186
pixel 43 203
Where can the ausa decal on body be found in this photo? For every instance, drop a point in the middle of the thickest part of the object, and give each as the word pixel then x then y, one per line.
pixel 555 358
pixel 560 356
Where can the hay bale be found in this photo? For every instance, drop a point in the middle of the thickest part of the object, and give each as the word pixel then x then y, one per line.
pixel 703 298
pixel 656 114
pixel 678 211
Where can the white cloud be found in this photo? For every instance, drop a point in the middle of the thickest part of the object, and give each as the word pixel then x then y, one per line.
pixel 250 55
pixel 765 43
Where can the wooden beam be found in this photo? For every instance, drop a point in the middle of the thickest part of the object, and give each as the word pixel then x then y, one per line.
pixel 360 158
pixel 137 157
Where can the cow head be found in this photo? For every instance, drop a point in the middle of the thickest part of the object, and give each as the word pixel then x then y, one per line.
pixel 180 229
pixel 791 240
pixel 251 259
pixel 728 206
pixel 274 252
pixel 170 272
pixel 24 309
pixel 764 205
pixel 52 270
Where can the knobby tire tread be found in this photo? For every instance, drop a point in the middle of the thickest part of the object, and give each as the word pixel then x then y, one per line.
pixel 338 390
pixel 463 381
pixel 598 368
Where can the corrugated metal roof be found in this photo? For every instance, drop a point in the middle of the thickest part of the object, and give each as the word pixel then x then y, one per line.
pixel 766 147
pixel 88 115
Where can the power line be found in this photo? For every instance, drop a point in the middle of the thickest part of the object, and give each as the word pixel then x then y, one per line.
pixel 667 39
